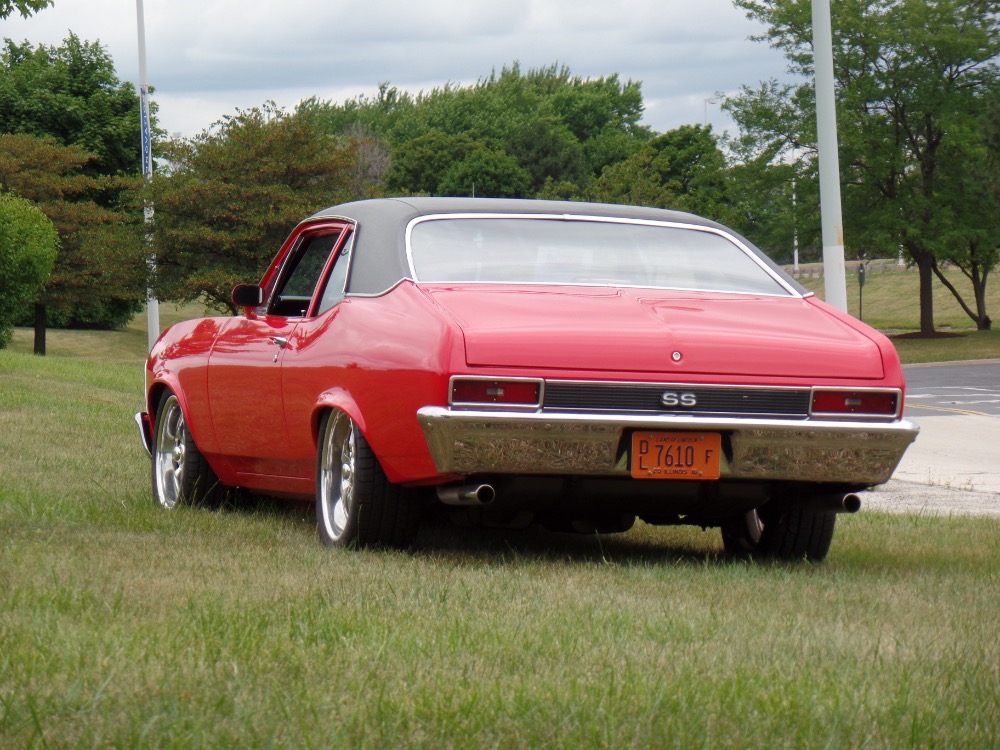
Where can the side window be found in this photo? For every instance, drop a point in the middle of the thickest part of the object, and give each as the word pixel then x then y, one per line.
pixel 336 283
pixel 298 279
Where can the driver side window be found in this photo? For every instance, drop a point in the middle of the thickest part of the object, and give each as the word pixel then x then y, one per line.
pixel 301 274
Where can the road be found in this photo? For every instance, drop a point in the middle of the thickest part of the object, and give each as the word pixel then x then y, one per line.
pixel 953 388
pixel 954 465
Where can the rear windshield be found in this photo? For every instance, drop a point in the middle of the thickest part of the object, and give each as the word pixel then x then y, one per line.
pixel 583 251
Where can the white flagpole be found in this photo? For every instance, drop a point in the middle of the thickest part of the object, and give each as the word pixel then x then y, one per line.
pixel 831 214
pixel 152 304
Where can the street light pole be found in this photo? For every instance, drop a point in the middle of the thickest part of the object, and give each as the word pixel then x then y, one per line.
pixel 152 304
pixel 834 273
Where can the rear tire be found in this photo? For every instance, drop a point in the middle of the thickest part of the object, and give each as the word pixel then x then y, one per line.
pixel 181 475
pixel 781 532
pixel 356 505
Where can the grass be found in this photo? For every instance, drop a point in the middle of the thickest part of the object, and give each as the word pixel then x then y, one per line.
pixel 126 626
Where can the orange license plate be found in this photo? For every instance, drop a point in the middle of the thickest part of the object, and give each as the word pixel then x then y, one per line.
pixel 676 455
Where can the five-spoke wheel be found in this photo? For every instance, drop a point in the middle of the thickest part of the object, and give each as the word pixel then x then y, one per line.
pixel 355 504
pixel 180 472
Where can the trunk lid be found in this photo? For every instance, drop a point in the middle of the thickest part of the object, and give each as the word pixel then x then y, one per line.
pixel 639 330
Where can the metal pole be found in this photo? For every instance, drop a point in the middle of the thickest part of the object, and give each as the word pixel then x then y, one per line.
pixel 152 304
pixel 795 230
pixel 834 274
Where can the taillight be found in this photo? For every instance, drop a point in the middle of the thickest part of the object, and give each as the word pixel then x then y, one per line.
pixel 855 403
pixel 513 393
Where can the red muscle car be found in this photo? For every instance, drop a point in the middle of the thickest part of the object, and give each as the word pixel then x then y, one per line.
pixel 571 364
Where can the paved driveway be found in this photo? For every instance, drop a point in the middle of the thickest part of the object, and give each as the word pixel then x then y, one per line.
pixel 954 465
pixel 953 388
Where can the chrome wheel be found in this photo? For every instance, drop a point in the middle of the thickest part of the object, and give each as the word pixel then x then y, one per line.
pixel 356 505
pixel 169 453
pixel 338 469
pixel 180 473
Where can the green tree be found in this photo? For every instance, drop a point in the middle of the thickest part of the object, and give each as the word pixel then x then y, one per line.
pixel 966 221
pixel 561 129
pixel 99 273
pixel 419 164
pixel 683 169
pixel 24 7
pixel 27 252
pixel 72 94
pixel 773 178
pixel 486 173
pixel 231 195
pixel 911 79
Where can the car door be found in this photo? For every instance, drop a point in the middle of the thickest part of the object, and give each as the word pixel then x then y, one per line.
pixel 244 374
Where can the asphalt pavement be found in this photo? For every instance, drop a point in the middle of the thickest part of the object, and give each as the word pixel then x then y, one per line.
pixel 953 467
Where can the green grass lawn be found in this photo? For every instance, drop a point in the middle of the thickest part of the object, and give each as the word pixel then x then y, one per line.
pixel 122 625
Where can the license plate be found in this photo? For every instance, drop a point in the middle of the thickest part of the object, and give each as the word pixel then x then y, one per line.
pixel 676 455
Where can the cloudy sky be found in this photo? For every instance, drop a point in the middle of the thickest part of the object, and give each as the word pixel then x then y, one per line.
pixel 208 58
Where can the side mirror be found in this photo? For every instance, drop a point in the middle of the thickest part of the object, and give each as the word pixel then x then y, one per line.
pixel 248 295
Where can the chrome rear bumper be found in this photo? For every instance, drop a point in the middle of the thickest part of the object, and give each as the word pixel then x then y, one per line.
pixel 491 442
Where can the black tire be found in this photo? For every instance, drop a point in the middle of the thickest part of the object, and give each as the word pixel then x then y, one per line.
pixel 180 473
pixel 356 505
pixel 781 532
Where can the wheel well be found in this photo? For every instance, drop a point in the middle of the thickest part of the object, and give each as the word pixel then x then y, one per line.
pixel 155 395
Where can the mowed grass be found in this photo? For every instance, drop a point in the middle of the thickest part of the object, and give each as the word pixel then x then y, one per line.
pixel 122 625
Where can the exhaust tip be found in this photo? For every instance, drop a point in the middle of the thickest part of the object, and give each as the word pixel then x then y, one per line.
pixel 485 494
pixel 470 494
pixel 851 503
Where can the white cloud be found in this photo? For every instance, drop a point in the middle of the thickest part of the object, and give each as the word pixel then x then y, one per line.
pixel 206 58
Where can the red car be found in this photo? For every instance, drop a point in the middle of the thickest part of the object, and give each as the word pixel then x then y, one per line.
pixel 572 364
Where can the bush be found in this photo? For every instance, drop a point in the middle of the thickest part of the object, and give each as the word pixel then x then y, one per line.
pixel 28 243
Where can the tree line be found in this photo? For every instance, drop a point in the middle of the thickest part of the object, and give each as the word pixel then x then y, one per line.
pixel 918 119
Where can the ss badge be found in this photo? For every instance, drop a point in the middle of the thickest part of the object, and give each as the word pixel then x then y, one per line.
pixel 672 398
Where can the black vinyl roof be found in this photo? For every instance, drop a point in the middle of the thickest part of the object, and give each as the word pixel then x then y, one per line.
pixel 379 260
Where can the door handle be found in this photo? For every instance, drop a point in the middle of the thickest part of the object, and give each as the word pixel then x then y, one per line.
pixel 282 342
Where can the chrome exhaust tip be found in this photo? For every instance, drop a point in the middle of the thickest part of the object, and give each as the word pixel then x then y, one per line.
pixel 467 494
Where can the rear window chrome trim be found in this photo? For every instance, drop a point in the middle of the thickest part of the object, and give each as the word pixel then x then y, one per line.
pixel 791 292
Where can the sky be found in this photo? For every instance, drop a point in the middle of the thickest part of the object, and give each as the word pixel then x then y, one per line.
pixel 210 58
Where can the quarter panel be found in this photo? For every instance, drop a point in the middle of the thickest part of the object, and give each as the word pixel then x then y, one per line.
pixel 389 355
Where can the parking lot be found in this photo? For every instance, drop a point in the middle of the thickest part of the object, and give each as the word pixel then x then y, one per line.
pixel 954 465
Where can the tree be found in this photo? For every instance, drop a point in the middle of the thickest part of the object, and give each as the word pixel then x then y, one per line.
pixel 911 77
pixel 773 177
pixel 231 195
pixel 561 129
pixel 27 252
pixel 419 164
pixel 24 7
pixel 99 249
pixel 486 173
pixel 966 222
pixel 72 94
pixel 682 169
